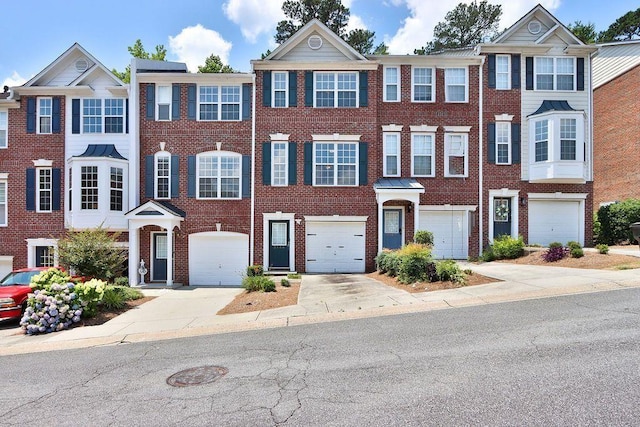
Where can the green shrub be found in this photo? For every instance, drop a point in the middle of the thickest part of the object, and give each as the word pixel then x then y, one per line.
pixel 121 281
pixel 423 237
pixel 555 253
pixel 293 276
pixel 258 283
pixel 555 245
pixel 255 270
pixel 91 294
pixel 602 248
pixel 576 252
pixel 113 298
pixel 381 260
pixel 488 255
pixel 615 219
pixel 414 265
pixel 285 282
pixel 449 270
pixel 573 244
pixel 388 262
pixel 506 247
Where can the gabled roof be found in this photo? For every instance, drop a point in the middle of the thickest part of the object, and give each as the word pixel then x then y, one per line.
pixel 156 208
pixel 537 10
pixel 552 105
pixel 102 150
pixel 307 30
pixel 613 60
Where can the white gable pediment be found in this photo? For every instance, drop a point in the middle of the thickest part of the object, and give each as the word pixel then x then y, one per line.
pixel 538 27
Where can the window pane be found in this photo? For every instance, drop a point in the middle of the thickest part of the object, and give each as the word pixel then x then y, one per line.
pixel 162 176
pixel 44 114
pixel 92 115
pixel 279 164
pixel 116 189
pixel 278 234
pixel 422 84
pixel 541 140
pixel 3 203
pixel 391 222
pixel 567 139
pixel 89 187
pixel 3 128
pixel 565 82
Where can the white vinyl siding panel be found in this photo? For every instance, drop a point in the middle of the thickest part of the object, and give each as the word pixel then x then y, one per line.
pixel 612 61
pixel 303 53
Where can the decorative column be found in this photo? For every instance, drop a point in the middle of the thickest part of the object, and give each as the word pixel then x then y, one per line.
pixel 170 256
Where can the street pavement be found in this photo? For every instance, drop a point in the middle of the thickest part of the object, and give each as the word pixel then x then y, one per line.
pixel 176 313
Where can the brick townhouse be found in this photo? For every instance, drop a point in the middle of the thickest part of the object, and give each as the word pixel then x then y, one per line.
pixel 320 157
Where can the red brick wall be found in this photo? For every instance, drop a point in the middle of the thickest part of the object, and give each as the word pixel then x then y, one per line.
pixel 616 126
pixel 184 138
pixel 22 149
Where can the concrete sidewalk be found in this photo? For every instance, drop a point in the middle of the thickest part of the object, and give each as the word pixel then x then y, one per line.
pixel 192 311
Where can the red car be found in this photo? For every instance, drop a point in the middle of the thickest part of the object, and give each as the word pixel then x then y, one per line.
pixel 14 291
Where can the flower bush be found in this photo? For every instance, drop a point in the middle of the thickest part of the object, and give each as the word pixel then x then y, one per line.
pixel 52 309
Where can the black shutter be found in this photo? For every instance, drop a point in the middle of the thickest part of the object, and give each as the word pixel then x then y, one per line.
pixel 126 115
pixel 31 115
pixel 246 101
pixel 56 178
pixel 266 163
pixel 293 89
pixel 515 142
pixel 191 101
pixel 293 163
pixel 246 177
pixel 491 139
pixel 364 88
pixel 55 115
pixel 363 166
pixel 175 176
pixel 75 116
pixel 515 71
pixel 151 101
pixel 191 175
pixel 492 71
pixel 266 88
pixel 308 163
pixel 31 189
pixel 175 101
pixel 149 177
pixel 580 74
pixel 529 72
pixel 308 88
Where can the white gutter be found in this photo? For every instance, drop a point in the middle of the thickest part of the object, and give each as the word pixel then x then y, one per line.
pixel 480 160
pixel 253 171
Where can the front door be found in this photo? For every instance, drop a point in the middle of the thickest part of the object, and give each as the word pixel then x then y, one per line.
pixel 279 245
pixel 501 217
pixel 44 256
pixel 160 252
pixel 392 228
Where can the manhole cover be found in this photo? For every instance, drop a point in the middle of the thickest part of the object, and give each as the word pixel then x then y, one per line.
pixel 196 376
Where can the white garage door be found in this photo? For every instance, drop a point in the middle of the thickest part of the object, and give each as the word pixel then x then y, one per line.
pixel 217 258
pixel 450 235
pixel 554 221
pixel 335 247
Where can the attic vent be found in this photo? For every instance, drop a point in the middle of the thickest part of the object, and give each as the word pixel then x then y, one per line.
pixel 82 65
pixel 315 42
pixel 534 27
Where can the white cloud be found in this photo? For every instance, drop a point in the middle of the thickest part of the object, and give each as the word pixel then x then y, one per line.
pixel 14 80
pixel 194 44
pixel 354 23
pixel 254 17
pixel 417 28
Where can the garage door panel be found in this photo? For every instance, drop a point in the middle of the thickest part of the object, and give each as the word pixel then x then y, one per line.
pixel 450 239
pixel 554 221
pixel 335 247
pixel 217 260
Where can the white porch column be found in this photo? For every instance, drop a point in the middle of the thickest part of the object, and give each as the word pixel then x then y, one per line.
pixel 134 256
pixel 380 221
pixel 170 256
pixel 416 216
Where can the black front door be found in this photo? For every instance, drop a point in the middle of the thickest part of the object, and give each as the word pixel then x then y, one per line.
pixel 279 245
pixel 392 228
pixel 501 217
pixel 160 252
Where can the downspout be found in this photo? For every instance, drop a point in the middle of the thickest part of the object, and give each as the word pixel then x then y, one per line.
pixel 480 158
pixel 253 169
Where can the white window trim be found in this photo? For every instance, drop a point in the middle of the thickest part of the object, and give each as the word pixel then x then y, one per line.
pixel 219 89
pixel 555 74
pixel 4 125
pixel 553 142
pixel 465 147
pixel 273 90
pixel 31 250
pixel 335 88
pixel 509 142
pixel 385 154
pixel 433 85
pixel 336 139
pixel 514 196
pixel 428 131
pixel 112 188
pixel 39 190
pixel 466 85
pixel 508 72
pixel 398 83
pixel 4 222
pixel 158 103
pixel 38 115
pixel 218 154
pixel 286 163
pixel 156 177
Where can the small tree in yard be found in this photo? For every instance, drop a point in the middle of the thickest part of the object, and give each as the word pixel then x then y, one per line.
pixel 92 252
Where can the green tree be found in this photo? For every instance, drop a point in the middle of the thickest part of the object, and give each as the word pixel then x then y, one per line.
pixel 213 64
pixel 92 252
pixel 466 25
pixel 138 51
pixel 332 13
pixel 627 27
pixel 585 32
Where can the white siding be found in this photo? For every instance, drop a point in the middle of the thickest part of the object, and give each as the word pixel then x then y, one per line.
pixel 614 60
pixel 66 72
pixel 327 53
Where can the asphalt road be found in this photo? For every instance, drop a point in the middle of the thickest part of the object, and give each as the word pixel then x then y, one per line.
pixel 558 361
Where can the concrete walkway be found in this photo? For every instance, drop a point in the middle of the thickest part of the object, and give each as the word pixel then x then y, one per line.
pixel 192 311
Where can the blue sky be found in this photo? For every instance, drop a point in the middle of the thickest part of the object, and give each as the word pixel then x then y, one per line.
pixel 36 32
